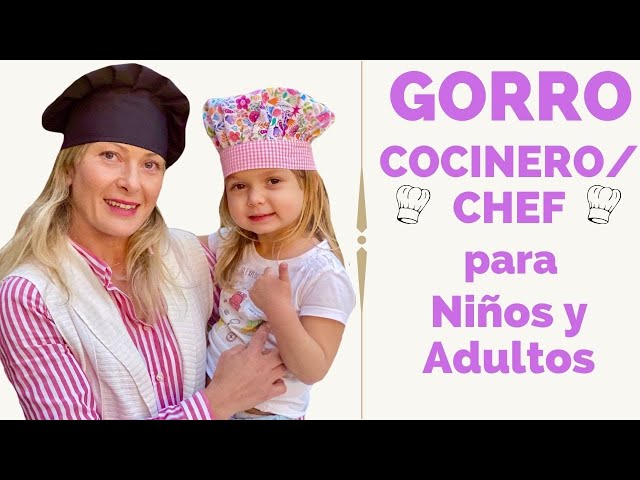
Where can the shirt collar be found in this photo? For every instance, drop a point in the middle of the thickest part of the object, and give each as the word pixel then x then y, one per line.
pixel 100 268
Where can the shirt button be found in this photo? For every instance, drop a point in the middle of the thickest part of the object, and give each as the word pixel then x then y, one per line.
pixel 159 377
pixel 147 328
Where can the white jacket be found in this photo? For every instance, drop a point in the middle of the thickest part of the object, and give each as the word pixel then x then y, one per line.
pixel 92 326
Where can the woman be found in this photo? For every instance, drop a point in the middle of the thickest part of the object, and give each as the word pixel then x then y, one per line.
pixel 103 309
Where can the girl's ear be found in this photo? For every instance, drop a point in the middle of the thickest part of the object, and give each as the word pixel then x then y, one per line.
pixel 70 175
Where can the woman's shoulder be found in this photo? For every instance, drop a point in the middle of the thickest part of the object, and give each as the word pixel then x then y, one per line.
pixel 30 272
pixel 210 241
pixel 182 235
pixel 21 288
pixel 214 239
pixel 188 239
pixel 204 240
pixel 184 244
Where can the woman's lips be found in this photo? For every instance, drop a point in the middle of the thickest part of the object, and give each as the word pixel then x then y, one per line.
pixel 122 208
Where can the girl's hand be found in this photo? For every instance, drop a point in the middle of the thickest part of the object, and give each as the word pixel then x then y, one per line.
pixel 271 293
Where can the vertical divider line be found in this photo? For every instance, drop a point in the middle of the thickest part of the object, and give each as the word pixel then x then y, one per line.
pixel 361 174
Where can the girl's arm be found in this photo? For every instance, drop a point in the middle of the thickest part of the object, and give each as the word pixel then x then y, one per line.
pixel 307 345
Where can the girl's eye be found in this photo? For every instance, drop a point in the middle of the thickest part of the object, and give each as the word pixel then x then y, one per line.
pixel 237 186
pixel 274 181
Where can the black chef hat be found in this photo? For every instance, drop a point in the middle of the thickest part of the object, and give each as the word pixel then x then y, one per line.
pixel 126 103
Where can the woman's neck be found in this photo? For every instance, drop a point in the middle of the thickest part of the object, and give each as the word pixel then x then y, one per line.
pixel 111 251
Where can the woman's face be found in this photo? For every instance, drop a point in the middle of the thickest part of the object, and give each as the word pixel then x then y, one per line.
pixel 114 189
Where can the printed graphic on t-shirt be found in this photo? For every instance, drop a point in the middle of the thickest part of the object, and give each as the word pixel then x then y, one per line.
pixel 239 313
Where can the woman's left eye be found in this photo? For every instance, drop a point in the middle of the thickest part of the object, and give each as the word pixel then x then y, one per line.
pixel 151 165
pixel 109 155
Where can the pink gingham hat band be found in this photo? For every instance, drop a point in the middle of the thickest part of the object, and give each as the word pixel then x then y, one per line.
pixel 275 153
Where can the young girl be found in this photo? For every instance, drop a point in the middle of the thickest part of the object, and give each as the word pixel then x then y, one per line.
pixel 278 258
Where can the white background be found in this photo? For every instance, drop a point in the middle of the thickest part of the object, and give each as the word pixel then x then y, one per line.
pixel 408 264
pixel 193 186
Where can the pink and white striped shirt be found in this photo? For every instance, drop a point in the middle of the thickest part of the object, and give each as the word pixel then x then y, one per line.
pixel 48 379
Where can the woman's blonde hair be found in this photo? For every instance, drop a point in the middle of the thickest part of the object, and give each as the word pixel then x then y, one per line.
pixel 42 233
pixel 314 221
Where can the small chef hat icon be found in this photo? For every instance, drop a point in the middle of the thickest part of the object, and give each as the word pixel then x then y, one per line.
pixel 602 201
pixel 411 201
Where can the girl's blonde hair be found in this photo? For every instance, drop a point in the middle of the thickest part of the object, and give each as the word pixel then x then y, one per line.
pixel 314 221
pixel 42 238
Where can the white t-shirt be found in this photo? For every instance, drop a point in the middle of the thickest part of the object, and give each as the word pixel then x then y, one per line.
pixel 320 287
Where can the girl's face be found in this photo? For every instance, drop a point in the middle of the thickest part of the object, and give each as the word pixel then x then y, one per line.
pixel 264 201
pixel 114 189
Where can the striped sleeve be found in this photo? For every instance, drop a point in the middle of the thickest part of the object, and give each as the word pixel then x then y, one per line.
pixel 211 258
pixel 48 379
pixel 193 408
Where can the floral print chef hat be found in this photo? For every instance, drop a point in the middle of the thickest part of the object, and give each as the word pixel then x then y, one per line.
pixel 268 128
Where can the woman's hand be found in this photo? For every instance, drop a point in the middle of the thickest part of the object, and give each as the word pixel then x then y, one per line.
pixel 246 377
